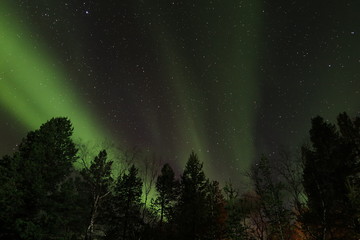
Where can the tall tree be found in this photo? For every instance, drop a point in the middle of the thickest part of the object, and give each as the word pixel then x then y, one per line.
pixel 235 220
pixel 49 152
pixel 149 171
pixel 350 132
pixel 278 218
pixel 167 190
pixel 125 219
pixel 192 207
pixel 331 161
pixel 10 197
pixel 216 215
pixel 43 162
pixel 98 180
pixel 290 170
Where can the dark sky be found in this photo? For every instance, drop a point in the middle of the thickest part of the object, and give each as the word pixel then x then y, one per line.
pixel 228 79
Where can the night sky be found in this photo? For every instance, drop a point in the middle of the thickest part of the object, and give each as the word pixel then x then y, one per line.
pixel 228 79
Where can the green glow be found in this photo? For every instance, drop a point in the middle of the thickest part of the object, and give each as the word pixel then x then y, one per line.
pixel 243 81
pixel 32 89
pixel 236 67
pixel 191 132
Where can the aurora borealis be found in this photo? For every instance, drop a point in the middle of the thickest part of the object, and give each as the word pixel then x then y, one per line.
pixel 32 89
pixel 229 79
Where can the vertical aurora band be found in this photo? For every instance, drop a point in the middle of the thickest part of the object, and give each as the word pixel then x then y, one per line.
pixel 237 69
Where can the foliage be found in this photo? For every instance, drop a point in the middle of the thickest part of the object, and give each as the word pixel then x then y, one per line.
pixel 32 179
pixel 236 213
pixel 330 163
pixel 216 215
pixel 42 195
pixel 167 193
pixel 191 207
pixel 125 203
pixel 97 181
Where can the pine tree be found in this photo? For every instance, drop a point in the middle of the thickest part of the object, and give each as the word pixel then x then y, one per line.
pixel 42 163
pixel 167 190
pixel 192 208
pixel 124 216
pixel 48 153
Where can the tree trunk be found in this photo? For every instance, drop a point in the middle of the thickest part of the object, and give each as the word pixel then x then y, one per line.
pixel 90 228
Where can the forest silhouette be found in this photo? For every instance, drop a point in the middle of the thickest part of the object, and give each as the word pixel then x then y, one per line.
pixel 313 195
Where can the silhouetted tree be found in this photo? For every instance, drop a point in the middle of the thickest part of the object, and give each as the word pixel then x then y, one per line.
pixel 70 209
pixel 163 206
pixel 149 170
pixel 43 197
pixel 216 215
pixel 235 215
pixel 290 170
pixel 10 197
pixel 350 132
pixel 167 190
pixel 39 168
pixel 278 218
pixel 124 221
pixel 98 180
pixel 192 207
pixel 330 163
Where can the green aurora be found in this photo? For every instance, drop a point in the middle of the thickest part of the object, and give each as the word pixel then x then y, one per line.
pixel 32 89
pixel 238 87
pixel 229 80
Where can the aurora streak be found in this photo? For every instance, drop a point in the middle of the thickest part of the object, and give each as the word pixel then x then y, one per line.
pixel 231 80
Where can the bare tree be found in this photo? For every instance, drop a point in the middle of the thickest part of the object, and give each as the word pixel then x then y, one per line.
pixel 257 224
pixel 271 199
pixel 150 167
pixel 290 170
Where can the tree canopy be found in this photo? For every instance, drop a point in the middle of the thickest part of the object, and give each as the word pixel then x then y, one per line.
pixel 44 196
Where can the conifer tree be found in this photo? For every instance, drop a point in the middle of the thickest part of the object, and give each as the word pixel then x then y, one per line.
pixel 192 207
pixel 216 215
pixel 39 168
pixel 167 190
pixel 330 164
pixel 10 197
pixel 124 220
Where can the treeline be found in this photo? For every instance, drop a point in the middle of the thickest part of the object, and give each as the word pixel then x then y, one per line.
pixel 313 196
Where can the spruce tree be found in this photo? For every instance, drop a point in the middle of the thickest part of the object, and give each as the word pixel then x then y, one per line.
pixel 124 221
pixel 192 207
pixel 167 190
pixel 38 169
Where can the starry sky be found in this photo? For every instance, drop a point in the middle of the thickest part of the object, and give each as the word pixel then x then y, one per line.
pixel 230 80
